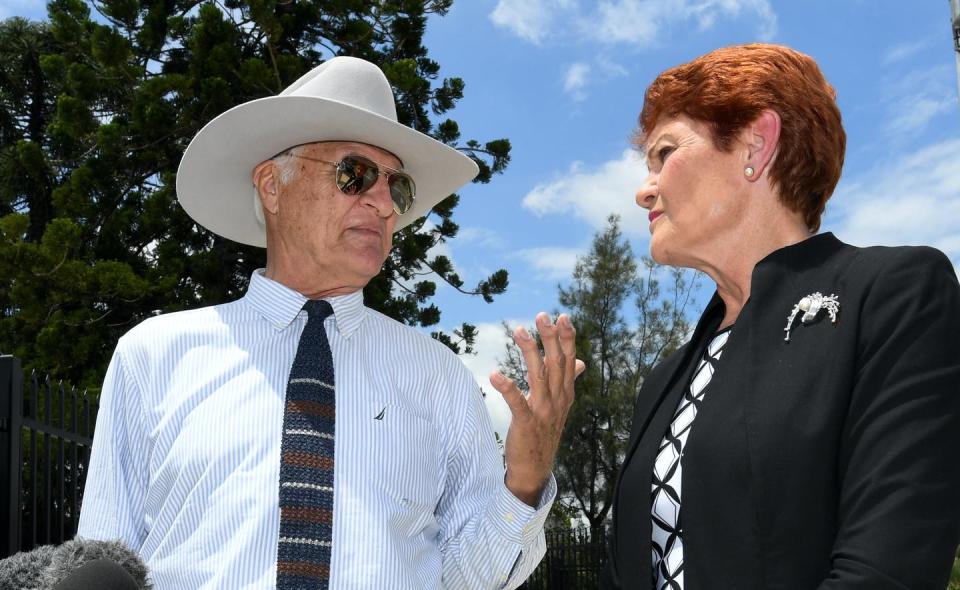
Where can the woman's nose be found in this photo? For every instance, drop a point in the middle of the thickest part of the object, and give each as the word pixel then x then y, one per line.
pixel 647 193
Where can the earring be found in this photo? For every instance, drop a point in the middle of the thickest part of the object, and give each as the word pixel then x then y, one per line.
pixel 748 171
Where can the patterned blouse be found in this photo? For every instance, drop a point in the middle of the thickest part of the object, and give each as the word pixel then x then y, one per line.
pixel 668 473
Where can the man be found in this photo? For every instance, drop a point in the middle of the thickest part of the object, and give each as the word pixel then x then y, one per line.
pixel 295 438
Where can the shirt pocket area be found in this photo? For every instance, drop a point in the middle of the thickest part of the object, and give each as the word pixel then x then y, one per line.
pixel 405 469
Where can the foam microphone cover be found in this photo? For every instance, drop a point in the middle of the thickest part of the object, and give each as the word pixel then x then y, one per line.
pixel 99 574
pixel 64 567
pixel 67 559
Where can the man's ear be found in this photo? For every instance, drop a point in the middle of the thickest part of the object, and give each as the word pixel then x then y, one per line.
pixel 266 181
pixel 762 137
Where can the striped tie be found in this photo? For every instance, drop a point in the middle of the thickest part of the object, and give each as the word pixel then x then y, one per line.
pixel 306 463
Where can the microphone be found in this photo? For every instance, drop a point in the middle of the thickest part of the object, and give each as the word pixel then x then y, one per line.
pixel 98 574
pixel 80 564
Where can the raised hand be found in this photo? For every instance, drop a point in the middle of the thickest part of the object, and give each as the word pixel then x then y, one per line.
pixel 538 415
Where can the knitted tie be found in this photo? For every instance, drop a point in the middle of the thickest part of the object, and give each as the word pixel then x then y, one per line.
pixel 306 461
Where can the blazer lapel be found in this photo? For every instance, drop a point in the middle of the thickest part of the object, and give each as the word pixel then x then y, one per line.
pixel 660 382
pixel 652 393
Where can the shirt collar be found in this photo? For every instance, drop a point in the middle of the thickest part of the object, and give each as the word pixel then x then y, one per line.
pixel 279 305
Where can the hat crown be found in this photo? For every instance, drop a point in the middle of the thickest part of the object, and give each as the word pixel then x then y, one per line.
pixel 348 80
pixel 342 99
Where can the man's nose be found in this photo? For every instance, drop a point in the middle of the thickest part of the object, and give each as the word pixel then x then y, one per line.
pixel 378 197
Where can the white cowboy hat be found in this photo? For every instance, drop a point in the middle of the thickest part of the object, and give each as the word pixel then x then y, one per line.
pixel 343 99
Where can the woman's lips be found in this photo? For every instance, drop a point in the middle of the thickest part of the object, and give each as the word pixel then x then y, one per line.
pixel 654 214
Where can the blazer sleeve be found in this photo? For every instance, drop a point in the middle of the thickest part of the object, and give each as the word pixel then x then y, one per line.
pixel 899 502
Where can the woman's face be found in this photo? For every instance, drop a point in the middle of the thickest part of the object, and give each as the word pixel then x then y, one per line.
pixel 694 192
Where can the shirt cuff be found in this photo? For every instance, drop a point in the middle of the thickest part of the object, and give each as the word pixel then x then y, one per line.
pixel 518 522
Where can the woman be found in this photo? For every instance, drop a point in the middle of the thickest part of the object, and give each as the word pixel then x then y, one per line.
pixel 807 435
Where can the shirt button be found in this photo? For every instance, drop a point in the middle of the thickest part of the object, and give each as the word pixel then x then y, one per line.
pixel 508 517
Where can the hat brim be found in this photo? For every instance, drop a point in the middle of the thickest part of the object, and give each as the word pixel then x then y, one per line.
pixel 215 178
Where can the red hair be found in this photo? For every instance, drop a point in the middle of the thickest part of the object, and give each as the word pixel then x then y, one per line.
pixel 728 89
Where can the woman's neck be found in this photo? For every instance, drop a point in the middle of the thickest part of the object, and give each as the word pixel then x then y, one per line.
pixel 731 267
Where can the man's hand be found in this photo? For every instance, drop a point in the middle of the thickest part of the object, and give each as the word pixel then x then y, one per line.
pixel 539 416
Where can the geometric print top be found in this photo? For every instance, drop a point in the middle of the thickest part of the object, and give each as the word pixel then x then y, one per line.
pixel 668 474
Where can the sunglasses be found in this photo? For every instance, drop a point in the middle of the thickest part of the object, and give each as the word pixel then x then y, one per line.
pixel 356 175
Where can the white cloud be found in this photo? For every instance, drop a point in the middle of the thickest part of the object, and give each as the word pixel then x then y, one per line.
pixel 490 348
pixel 914 201
pixel 610 68
pixel 768 18
pixel 479 236
pixel 915 99
pixel 634 22
pixel 903 51
pixel 594 194
pixel 551 263
pixel 575 79
pixel 580 76
pixel 528 19
pixel 708 12
pixel 913 113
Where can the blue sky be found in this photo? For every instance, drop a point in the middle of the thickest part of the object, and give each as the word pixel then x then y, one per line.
pixel 564 81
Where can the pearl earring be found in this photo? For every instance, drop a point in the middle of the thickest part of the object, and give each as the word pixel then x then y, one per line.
pixel 748 171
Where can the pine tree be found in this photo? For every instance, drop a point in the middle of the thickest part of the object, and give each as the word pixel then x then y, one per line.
pixel 97 104
pixel 619 352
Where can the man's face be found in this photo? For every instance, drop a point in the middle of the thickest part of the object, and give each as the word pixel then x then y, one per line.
pixel 319 230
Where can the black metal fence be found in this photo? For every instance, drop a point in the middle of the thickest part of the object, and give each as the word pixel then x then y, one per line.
pixel 575 560
pixel 45 434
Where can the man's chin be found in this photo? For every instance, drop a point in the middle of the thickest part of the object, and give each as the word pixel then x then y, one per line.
pixel 363 262
pixel 363 240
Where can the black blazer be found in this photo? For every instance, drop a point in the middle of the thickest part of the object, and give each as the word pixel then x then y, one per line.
pixel 830 461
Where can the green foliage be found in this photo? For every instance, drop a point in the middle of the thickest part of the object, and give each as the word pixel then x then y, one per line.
pixel 618 354
pixel 97 104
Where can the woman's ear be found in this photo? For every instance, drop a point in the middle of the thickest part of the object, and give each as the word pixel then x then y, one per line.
pixel 761 138
pixel 265 180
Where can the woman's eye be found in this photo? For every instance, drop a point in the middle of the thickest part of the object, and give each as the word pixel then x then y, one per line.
pixel 664 152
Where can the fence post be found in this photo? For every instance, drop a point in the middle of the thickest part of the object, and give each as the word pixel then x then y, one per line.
pixel 11 413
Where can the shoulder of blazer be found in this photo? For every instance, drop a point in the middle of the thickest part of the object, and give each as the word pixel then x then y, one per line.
pixel 883 259
pixel 863 268
pixel 824 252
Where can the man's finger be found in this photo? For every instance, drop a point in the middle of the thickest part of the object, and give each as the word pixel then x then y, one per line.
pixel 511 394
pixel 568 347
pixel 548 335
pixel 552 355
pixel 581 367
pixel 536 373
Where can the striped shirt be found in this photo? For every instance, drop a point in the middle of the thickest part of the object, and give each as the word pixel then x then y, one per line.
pixel 185 461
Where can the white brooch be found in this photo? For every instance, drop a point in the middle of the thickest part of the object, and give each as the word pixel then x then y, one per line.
pixel 811 306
